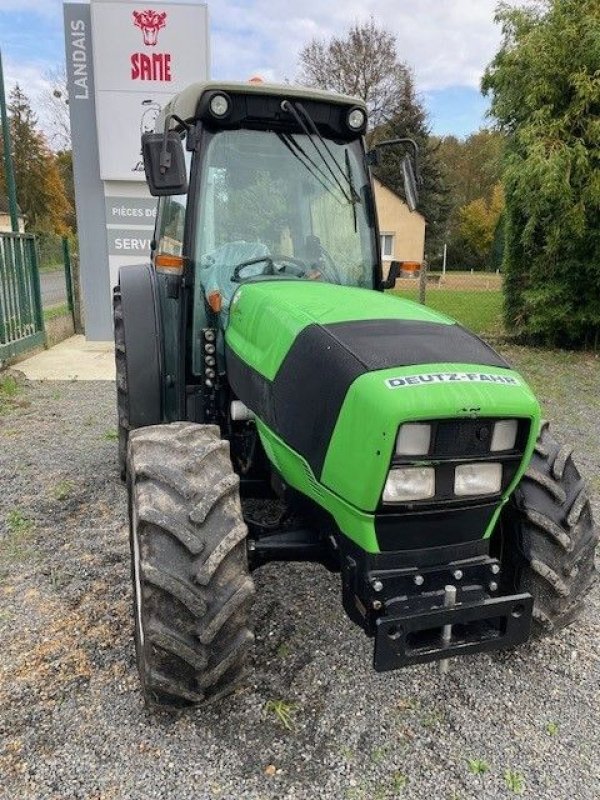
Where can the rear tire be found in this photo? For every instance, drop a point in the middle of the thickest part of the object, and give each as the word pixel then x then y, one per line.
pixel 122 387
pixel 550 538
pixel 192 587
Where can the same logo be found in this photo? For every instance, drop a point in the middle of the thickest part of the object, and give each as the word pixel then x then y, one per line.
pixel 150 22
pixel 150 66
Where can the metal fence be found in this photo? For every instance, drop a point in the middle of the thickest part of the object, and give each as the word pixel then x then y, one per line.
pixel 21 316
pixel 55 274
pixel 473 298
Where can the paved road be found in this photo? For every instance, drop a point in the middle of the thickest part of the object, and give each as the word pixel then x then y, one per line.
pixel 53 288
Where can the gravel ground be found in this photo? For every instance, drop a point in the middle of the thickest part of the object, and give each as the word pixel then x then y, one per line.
pixel 72 723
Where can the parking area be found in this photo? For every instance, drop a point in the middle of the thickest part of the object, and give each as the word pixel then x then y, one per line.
pixel 314 720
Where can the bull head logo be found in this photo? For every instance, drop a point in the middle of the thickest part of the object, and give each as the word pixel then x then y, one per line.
pixel 150 23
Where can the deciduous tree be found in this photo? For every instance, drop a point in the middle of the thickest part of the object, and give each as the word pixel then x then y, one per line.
pixel 55 102
pixel 478 222
pixel 471 168
pixel 64 161
pixel 364 62
pixel 40 187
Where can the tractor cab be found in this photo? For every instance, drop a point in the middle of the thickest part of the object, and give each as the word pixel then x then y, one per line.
pixel 282 205
pixel 281 189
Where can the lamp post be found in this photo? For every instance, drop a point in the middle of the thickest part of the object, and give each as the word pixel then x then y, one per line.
pixel 11 190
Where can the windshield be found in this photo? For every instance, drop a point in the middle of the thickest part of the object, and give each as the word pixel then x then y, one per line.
pixel 281 206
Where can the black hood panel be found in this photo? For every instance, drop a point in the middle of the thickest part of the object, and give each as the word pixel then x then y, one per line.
pixel 382 344
pixel 302 403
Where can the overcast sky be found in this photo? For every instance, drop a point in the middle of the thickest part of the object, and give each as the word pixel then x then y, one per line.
pixel 448 43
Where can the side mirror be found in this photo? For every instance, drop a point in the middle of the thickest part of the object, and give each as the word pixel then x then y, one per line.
pixel 410 171
pixel 164 163
pixel 392 275
pixel 411 191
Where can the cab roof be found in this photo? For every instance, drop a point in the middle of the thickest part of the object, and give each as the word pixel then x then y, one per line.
pixel 185 104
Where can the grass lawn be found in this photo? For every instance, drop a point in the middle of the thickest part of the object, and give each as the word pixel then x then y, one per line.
pixel 9 392
pixel 480 311
pixel 51 266
pixel 56 311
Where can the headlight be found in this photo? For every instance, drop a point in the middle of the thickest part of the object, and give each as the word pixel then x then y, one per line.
pixel 219 105
pixel 413 439
pixel 505 435
pixel 409 483
pixel 473 479
pixel 356 119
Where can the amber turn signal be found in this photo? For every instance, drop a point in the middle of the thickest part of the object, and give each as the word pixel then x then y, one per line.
pixel 167 263
pixel 215 301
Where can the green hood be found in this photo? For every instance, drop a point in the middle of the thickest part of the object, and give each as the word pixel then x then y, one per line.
pixel 266 316
pixel 331 372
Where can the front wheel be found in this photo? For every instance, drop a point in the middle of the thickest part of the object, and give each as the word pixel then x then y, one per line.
pixel 549 536
pixel 191 584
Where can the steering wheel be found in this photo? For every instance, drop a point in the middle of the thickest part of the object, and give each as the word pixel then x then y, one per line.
pixel 331 267
pixel 268 260
pixel 301 267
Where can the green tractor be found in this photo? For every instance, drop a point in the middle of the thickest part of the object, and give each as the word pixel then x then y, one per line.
pixel 275 404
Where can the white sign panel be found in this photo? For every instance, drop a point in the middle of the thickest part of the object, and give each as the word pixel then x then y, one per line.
pixel 120 142
pixel 144 53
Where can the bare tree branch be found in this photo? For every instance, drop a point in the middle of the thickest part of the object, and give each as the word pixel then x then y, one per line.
pixel 55 102
pixel 362 63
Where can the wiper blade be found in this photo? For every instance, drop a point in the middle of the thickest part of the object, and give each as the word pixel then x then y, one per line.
pixel 298 152
pixel 353 194
pixel 287 106
pixel 352 189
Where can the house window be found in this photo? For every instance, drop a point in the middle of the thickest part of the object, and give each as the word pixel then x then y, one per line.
pixel 387 246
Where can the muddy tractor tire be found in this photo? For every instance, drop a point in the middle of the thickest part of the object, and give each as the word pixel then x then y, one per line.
pixel 121 377
pixel 551 536
pixel 192 588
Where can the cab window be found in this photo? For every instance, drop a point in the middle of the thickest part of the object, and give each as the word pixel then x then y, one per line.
pixel 171 221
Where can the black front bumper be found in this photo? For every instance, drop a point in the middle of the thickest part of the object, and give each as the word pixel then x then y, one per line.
pixel 405 600
pixel 417 637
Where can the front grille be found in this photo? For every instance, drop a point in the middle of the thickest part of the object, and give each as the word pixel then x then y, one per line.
pixel 459 439
pixel 462 438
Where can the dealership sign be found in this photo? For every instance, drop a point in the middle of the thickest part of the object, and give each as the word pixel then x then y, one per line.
pixel 125 60
pixel 143 54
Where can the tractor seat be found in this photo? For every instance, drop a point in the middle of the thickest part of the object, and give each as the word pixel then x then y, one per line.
pixel 217 268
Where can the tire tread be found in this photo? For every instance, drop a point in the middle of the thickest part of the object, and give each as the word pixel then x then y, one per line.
pixel 553 554
pixel 196 588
